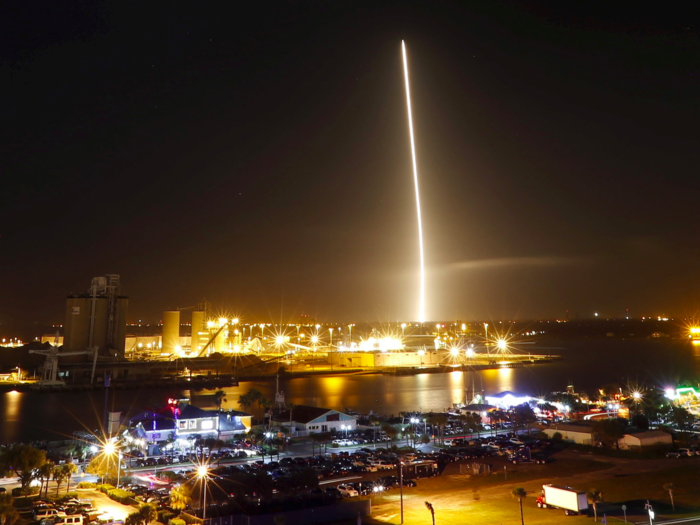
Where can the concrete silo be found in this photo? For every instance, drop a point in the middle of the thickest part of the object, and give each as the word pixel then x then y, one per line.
pixel 171 331
pixel 97 319
pixel 197 327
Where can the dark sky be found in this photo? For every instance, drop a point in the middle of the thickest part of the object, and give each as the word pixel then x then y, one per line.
pixel 259 158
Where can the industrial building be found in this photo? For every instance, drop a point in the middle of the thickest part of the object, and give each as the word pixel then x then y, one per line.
pixel 97 318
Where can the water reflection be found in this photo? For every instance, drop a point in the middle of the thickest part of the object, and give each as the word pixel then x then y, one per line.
pixel 587 364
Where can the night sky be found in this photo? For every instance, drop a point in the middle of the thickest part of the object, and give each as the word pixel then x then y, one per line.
pixel 259 158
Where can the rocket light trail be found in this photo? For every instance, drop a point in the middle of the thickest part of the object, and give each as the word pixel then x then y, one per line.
pixel 421 304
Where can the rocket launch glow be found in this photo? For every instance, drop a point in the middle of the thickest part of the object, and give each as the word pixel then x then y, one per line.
pixel 421 303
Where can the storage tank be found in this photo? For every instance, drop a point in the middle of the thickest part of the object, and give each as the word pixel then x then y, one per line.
pixel 197 326
pixel 171 331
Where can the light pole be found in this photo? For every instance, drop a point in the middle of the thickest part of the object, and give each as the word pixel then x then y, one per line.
pixel 268 437
pixel 486 337
pixel 203 474
pixel 110 449
pixel 401 486
pixel 330 348
pixel 403 330
pixel 414 421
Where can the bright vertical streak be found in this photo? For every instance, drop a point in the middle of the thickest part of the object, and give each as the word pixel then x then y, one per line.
pixel 421 304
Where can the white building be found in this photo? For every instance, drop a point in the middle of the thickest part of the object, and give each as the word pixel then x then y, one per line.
pixel 312 420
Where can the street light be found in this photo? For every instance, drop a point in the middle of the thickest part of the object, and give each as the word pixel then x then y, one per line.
pixel 203 474
pixel 414 421
pixel 330 348
pixel 110 449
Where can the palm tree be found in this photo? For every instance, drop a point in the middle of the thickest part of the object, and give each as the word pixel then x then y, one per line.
pixel 669 487
pixel 70 469
pixel 60 474
pixel 521 494
pixel 594 497
pixel 219 396
pixel 45 472
pixel 429 506
pixel 390 431
pixel 180 497
pixel 246 401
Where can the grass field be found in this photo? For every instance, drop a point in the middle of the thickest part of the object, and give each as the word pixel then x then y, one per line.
pixel 460 499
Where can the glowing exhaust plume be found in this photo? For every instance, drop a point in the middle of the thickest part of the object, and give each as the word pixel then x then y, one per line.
pixel 421 304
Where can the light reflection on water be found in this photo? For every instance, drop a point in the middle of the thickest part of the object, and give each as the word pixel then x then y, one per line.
pixel 586 364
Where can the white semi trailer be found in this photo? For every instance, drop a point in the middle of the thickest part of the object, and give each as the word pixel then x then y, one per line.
pixel 570 500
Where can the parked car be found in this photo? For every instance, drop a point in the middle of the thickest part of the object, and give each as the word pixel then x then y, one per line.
pixel 347 491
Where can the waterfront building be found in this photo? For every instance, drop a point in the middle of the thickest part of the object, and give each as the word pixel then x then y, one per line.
pixel 305 420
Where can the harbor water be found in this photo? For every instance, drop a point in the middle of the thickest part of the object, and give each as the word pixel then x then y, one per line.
pixel 585 364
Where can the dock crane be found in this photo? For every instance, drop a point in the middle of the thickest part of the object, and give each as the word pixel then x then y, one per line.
pixel 50 368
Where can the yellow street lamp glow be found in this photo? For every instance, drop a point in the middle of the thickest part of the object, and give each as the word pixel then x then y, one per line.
pixel 314 339
pixel 502 344
pixel 454 351
pixel 695 330
pixel 109 448
pixel 223 321
pixel 202 471
pixel 469 352
pixel 279 340
pixel 234 320
pixel 637 395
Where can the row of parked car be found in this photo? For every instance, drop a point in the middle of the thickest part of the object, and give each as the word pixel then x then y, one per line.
pixel 70 512
pixel 683 452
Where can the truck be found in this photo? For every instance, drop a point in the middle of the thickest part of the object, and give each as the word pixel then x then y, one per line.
pixel 570 500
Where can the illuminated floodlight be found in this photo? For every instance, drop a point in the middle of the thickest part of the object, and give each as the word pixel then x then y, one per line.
pixel 109 448
pixel 454 351
pixel 314 339
pixel 202 471
pixel 223 321
pixel 502 344
pixel 421 303
pixel 383 344
pixel 279 339
pixel 469 352
pixel 637 395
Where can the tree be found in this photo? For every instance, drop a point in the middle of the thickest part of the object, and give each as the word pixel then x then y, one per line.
pixel 681 418
pixel 390 431
pixel 521 494
pixel 134 518
pixel 245 401
pixel 8 512
pixel 609 431
pixel 71 468
pixel 429 506
pixel 524 416
pixel 669 487
pixel 594 497
pixel 148 513
pixel 219 397
pixel 437 421
pixel 63 473
pixel 44 474
pixel 180 497
pixel 103 466
pixel 25 461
